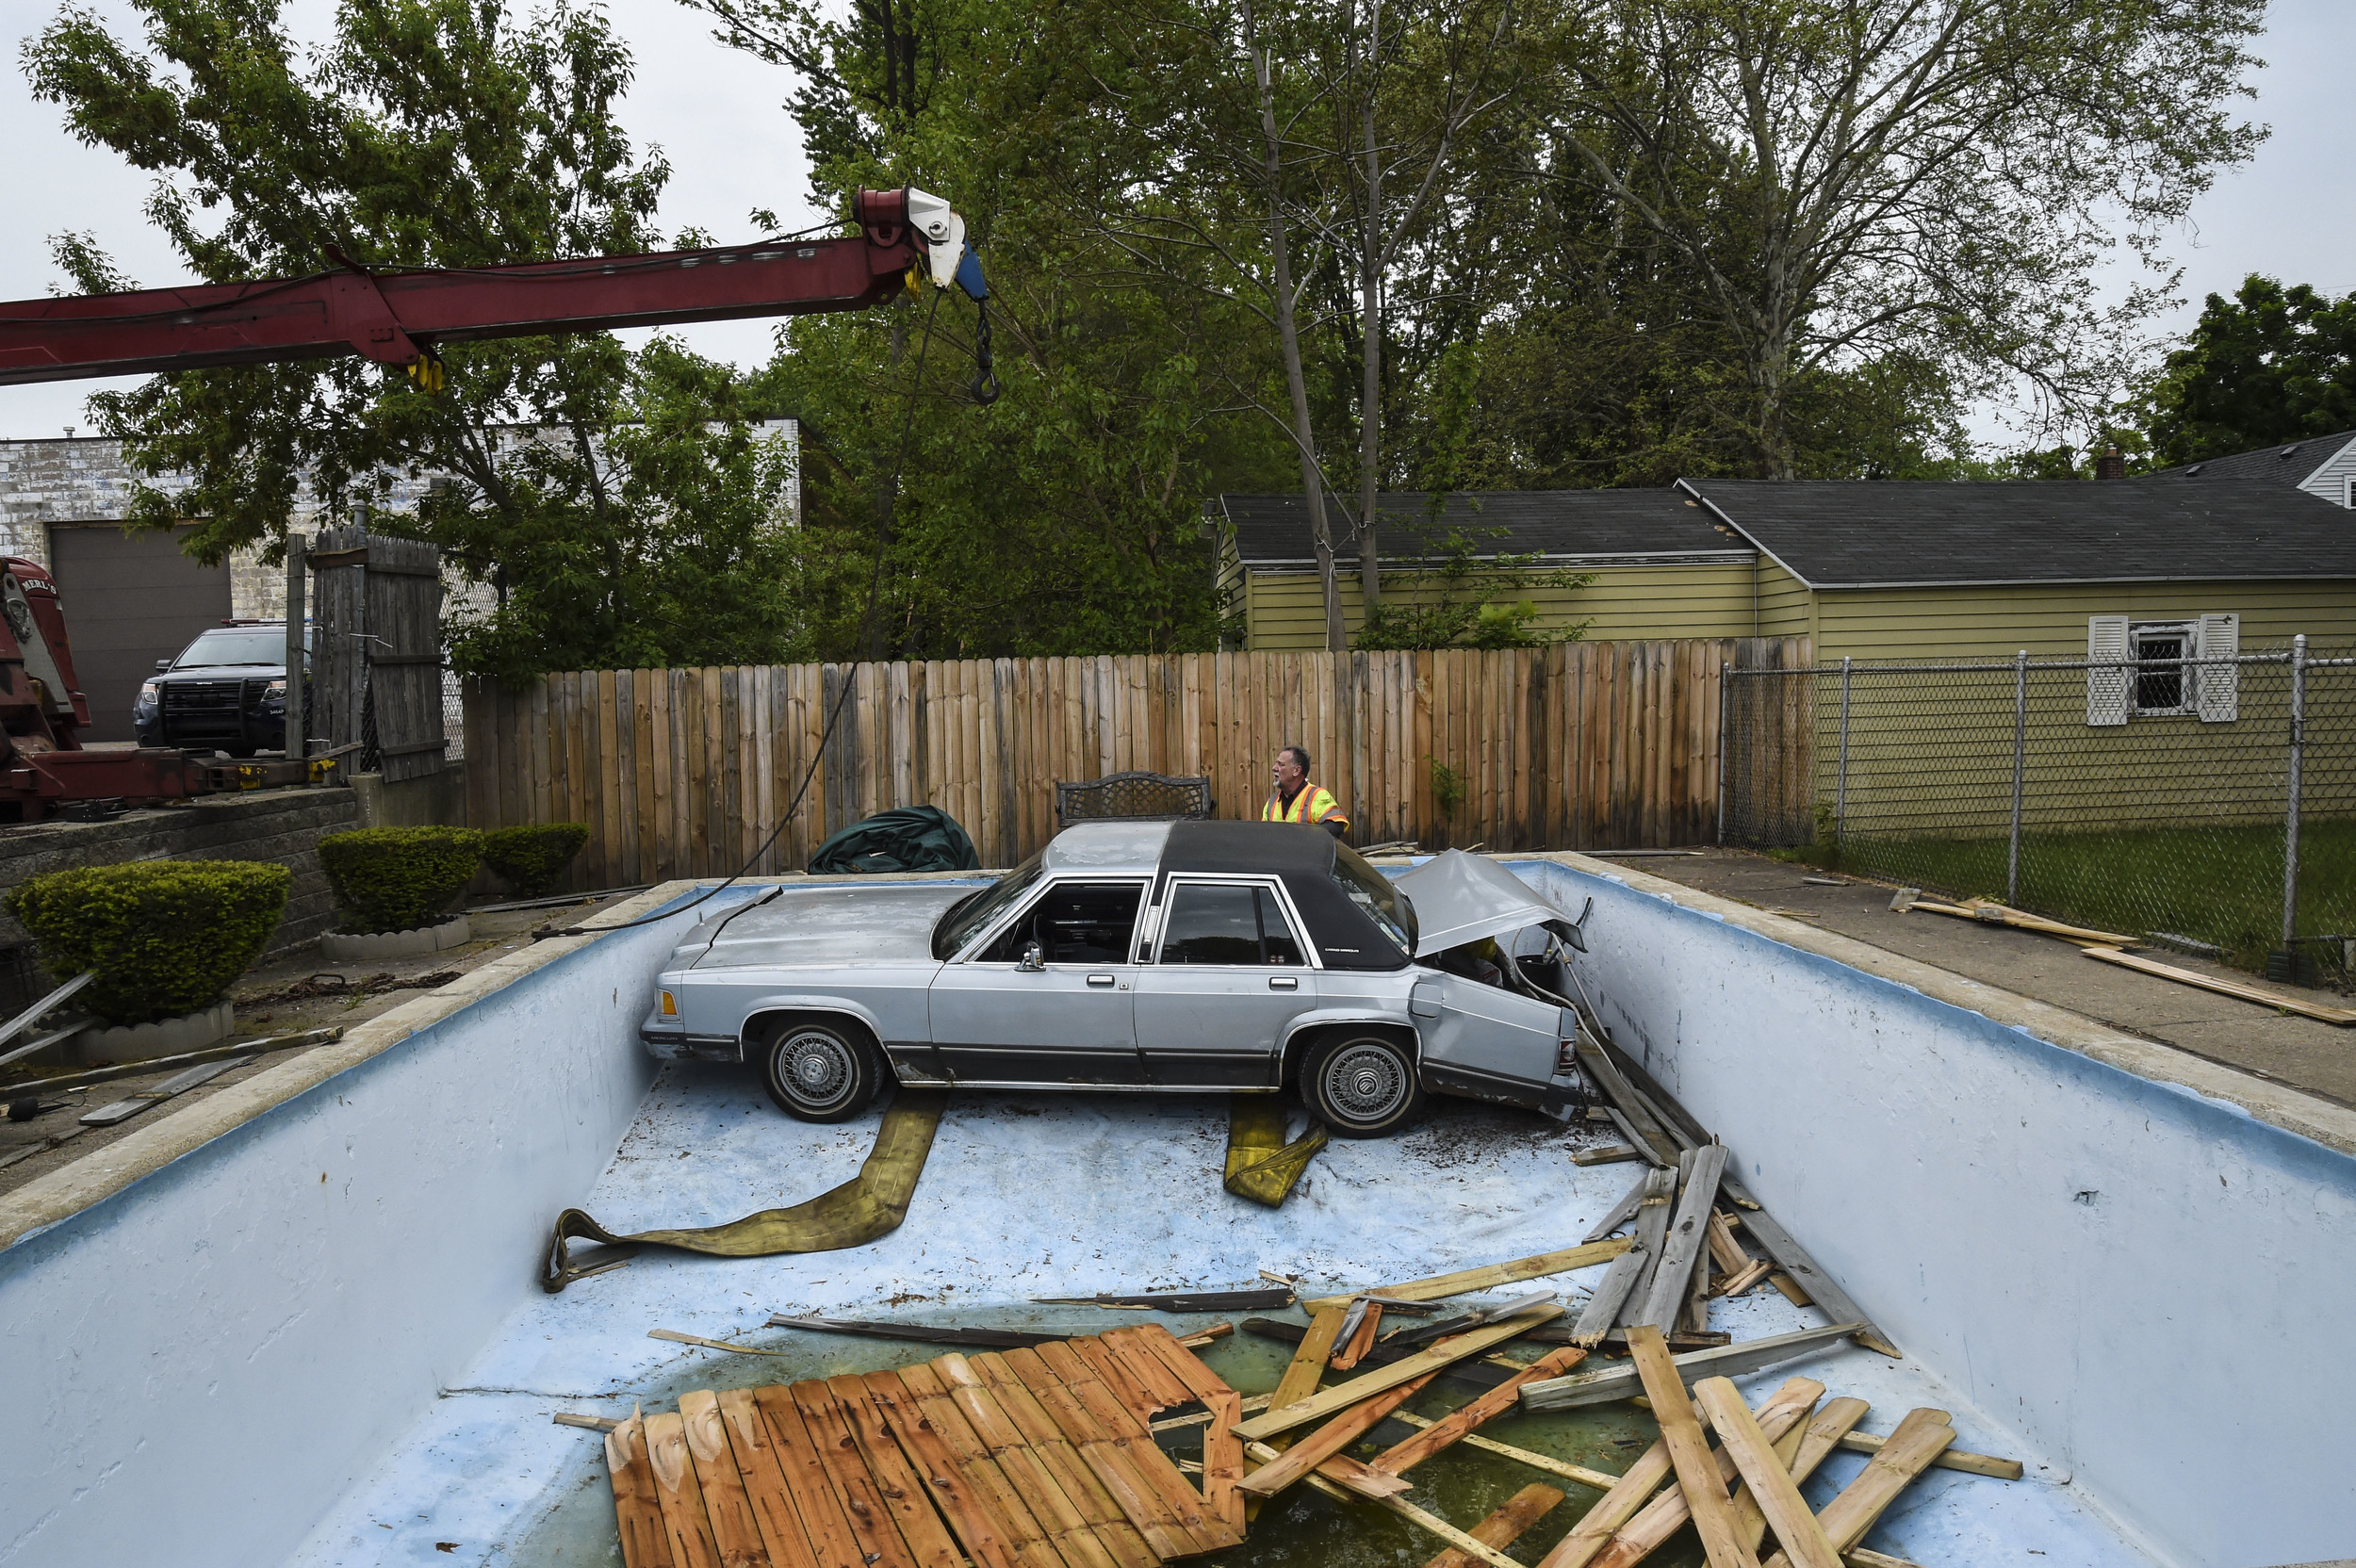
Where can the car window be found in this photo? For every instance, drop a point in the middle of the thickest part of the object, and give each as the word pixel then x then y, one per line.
pixel 1224 923
pixel 1074 923
pixel 1372 892
pixel 970 916
pixel 238 645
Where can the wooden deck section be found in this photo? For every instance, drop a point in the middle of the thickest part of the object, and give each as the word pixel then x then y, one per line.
pixel 1032 1458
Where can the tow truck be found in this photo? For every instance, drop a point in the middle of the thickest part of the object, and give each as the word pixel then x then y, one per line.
pixel 396 316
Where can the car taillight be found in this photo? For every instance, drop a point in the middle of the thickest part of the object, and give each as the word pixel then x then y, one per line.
pixel 1566 1056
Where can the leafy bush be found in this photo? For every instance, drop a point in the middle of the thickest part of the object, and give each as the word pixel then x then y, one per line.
pixel 398 878
pixel 165 937
pixel 531 858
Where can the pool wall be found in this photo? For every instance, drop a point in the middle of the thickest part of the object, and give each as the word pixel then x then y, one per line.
pixel 244 1306
pixel 2148 1282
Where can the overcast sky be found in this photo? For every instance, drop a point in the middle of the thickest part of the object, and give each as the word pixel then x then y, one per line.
pixel 718 115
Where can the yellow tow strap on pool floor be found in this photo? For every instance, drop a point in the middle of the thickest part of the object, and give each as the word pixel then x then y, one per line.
pixel 1261 1165
pixel 871 1204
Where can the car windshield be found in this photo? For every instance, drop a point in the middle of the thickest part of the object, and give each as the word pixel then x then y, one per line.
pixel 970 916
pixel 238 645
pixel 1372 891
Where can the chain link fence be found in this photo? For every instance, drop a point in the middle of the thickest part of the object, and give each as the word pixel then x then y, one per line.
pixel 2203 803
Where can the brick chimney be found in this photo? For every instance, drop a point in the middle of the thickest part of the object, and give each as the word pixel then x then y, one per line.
pixel 2110 465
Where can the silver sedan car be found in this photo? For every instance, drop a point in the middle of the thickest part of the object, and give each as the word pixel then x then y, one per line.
pixel 1162 957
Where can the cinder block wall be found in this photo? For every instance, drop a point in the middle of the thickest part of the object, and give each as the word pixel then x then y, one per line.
pixel 282 826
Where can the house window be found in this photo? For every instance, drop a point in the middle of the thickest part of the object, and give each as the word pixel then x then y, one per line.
pixel 2138 669
pixel 2164 684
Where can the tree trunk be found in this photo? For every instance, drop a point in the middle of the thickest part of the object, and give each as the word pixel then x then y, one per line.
pixel 1288 342
pixel 1370 354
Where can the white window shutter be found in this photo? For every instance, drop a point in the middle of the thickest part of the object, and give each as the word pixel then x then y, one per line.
pixel 2220 684
pixel 2106 680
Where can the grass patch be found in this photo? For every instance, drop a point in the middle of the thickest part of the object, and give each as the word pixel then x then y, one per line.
pixel 2217 885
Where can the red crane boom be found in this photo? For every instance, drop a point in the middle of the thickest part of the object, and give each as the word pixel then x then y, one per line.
pixel 395 317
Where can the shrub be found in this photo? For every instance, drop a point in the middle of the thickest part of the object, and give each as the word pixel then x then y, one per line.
pixel 398 878
pixel 165 937
pixel 531 858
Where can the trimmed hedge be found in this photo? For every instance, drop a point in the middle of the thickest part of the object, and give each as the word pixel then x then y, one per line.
pixel 532 858
pixel 398 878
pixel 167 938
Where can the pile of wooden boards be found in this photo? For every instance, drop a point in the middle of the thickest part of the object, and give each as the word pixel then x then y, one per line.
pixel 1034 1459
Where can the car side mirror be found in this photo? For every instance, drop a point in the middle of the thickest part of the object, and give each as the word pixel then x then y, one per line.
pixel 162 665
pixel 1033 961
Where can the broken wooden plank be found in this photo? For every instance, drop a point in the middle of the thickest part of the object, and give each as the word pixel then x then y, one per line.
pixel 925 1333
pixel 1819 1286
pixel 1610 1153
pixel 1629 1521
pixel 1078 1480
pixel 1440 1286
pixel 264 1045
pixel 1725 1252
pixel 895 1478
pixel 1951 1458
pixel 124 1109
pixel 686 1530
pixel 815 1501
pixel 1506 1526
pixel 1623 1211
pixel 591 1422
pixel 646 1540
pixel 1672 1279
pixel 1988 912
pixel 1358 1341
pixel 1309 1452
pixel 1472 1547
pixel 1222 1451
pixel 1920 1438
pixel 734 1529
pixel 2339 1018
pixel 1652 1228
pixel 1179 1300
pixel 1603 1308
pixel 1751 1275
pixel 1766 1474
pixel 1601 1480
pixel 1799 1451
pixel 1633 1119
pixel 1696 1467
pixel 678 1338
pixel 1459 1424
pixel 771 1499
pixel 1594 1388
pixel 1281 1418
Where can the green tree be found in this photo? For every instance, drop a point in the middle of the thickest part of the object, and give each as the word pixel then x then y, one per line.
pixel 1451 596
pixel 2271 365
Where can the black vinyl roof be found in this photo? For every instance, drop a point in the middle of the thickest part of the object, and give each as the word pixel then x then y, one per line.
pixel 1868 533
pixel 2287 463
pixel 1304 856
pixel 1274 530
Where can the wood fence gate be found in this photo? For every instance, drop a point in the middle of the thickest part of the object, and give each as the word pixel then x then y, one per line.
pixel 686 773
pixel 376 680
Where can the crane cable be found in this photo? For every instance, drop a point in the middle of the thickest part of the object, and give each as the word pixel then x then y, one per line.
pixel 867 619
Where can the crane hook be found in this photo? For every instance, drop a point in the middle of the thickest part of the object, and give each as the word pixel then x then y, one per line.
pixel 985 383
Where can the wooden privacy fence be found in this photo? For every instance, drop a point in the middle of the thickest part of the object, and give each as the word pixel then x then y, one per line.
pixel 685 772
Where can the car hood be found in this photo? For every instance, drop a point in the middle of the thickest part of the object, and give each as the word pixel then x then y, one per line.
pixel 1461 898
pixel 827 926
pixel 220 671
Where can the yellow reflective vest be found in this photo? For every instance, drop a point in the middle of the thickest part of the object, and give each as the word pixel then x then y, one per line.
pixel 1313 804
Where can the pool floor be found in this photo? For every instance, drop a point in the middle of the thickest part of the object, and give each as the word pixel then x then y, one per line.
pixel 1073 1195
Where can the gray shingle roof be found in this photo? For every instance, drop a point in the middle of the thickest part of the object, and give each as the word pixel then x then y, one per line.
pixel 2287 463
pixel 1573 525
pixel 1861 533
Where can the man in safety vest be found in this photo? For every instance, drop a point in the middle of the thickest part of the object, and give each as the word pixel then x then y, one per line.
pixel 1297 800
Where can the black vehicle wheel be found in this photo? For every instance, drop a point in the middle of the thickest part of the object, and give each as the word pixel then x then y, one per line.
pixel 1361 1085
pixel 820 1070
pixel 242 753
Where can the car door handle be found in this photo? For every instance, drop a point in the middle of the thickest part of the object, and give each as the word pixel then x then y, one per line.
pixel 1100 979
pixel 1283 983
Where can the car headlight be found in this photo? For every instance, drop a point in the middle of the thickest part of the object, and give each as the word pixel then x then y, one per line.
pixel 147 691
pixel 276 688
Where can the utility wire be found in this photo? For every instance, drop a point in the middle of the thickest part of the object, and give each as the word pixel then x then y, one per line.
pixel 850 683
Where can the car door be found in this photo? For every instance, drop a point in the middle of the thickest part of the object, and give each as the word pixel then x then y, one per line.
pixel 1230 974
pixel 1067 1022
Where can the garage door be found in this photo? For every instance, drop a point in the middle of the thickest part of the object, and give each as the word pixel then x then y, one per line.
pixel 130 600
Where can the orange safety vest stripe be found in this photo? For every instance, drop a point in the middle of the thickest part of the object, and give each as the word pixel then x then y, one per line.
pixel 1312 805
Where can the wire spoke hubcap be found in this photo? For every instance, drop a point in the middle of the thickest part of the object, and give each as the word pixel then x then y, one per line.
pixel 1366 1082
pixel 814 1069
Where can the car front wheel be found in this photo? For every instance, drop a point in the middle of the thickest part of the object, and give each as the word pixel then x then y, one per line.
pixel 820 1071
pixel 1361 1085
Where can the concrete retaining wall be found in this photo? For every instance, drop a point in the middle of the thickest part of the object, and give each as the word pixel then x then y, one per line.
pixel 2145 1282
pixel 282 826
pixel 211 1339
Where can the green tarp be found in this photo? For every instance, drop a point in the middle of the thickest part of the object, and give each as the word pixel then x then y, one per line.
pixel 911 837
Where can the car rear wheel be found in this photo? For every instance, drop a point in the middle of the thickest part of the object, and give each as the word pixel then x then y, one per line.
pixel 1361 1085
pixel 819 1070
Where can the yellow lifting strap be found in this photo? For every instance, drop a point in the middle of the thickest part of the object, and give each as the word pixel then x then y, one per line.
pixel 1261 1165
pixel 869 1206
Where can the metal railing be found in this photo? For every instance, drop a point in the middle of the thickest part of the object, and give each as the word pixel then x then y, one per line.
pixel 2205 803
